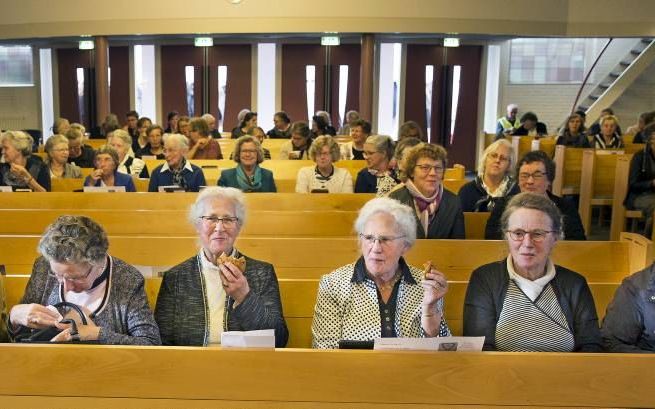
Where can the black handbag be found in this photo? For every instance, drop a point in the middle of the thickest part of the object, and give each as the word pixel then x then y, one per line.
pixel 44 335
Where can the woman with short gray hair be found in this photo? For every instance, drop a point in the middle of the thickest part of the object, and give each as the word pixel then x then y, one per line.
pixel 324 177
pixel 57 161
pixel 378 176
pixel 74 267
pixel 218 289
pixel 525 302
pixel 380 295
pixel 21 169
pixel 177 171
pixel 106 172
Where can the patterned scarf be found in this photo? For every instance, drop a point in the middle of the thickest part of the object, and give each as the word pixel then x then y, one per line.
pixel 426 207
pixel 386 181
pixel 178 178
pixel 488 200
pixel 249 183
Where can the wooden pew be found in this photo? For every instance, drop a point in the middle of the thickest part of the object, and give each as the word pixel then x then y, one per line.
pixel 568 171
pixel 309 258
pixel 191 377
pixel 619 212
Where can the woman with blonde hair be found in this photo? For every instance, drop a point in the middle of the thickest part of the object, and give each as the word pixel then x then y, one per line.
pixel 57 161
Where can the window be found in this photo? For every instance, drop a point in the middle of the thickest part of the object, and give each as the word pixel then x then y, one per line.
pixel 429 86
pixel 457 73
pixel 189 75
pixel 16 66
pixel 310 81
pixel 47 99
pixel 343 93
pixel 389 89
pixel 546 61
pixel 266 85
pixel 144 81
pixel 222 92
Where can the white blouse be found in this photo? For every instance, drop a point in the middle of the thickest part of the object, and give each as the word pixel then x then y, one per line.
pixel 340 182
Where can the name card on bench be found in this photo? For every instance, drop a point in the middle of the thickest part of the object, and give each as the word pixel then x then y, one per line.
pixel 264 338
pixel 470 344
pixel 104 189
pixel 6 189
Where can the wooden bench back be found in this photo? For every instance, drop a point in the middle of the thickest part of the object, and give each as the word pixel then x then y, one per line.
pixel 568 170
pixel 619 194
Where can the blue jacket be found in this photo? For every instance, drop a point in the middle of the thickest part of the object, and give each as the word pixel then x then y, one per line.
pixel 192 175
pixel 120 179
pixel 229 179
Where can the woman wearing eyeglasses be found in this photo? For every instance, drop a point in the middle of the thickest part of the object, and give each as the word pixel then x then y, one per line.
pixel 324 177
pixel 75 267
pixel 525 302
pixel 204 295
pixel 535 174
pixel 380 295
pixel 57 161
pixel 437 211
pixel 248 176
pixel 494 179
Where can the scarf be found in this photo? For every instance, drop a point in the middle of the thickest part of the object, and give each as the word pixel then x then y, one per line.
pixel 487 202
pixel 249 183
pixel 426 207
pixel 386 181
pixel 178 178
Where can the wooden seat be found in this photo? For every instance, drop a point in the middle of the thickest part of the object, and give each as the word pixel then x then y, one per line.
pixel 619 212
pixel 568 170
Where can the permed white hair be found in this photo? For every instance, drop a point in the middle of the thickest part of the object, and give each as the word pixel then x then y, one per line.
pixel 402 214
pixel 235 196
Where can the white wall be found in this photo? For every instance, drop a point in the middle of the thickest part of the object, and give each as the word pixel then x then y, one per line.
pixel 19 107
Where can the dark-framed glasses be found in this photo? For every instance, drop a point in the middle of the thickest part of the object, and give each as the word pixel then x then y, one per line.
pixel 428 168
pixel 384 241
pixel 212 221
pixel 536 236
pixel 62 278
pixel 538 175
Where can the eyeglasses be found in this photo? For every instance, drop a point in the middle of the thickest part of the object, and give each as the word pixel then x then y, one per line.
pixel 71 279
pixel 428 168
pixel 248 151
pixel 498 157
pixel 384 241
pixel 536 236
pixel 536 175
pixel 212 221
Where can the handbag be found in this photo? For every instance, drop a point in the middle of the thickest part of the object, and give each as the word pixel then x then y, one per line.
pixel 44 335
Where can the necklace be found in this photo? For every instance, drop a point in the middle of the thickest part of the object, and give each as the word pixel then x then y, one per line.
pixel 390 284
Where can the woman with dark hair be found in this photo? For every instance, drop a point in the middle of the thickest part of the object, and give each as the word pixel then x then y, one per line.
pixel 298 146
pixel 530 126
pixel 249 121
pixel 282 128
pixel 201 144
pixel 573 134
pixel 155 145
pixel 319 126
pixel 171 121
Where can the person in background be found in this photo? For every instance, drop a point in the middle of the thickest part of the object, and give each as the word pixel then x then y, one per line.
pixel 248 176
pixel 240 116
pixel 140 143
pixel 155 145
pixel 608 137
pixel 641 180
pixel 183 125
pixel 258 133
pixel 324 177
pixel 60 126
pixel 645 119
pixel 57 161
pixel 127 164
pixel 411 129
pixel 399 152
pixel 109 125
pixel 171 122
pixel 21 169
pixel 177 171
pixel 494 180
pixel 594 129
pixel 106 172
pixel 377 177
pixel 131 119
pixel 530 126
pixel 328 129
pixel 79 153
pixel 573 134
pixel 298 146
pixel 203 146
pixel 249 121
pixel 211 124
pixel 351 116
pixel 282 128
pixel 359 131
pixel 509 123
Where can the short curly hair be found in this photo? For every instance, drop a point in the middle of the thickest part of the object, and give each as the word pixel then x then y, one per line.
pixel 401 213
pixel 21 141
pixel 320 142
pixel 108 150
pixel 74 239
pixel 422 150
pixel 528 200
pixel 244 139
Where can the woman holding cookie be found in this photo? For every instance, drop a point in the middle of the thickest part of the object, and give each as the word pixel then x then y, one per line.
pixel 219 289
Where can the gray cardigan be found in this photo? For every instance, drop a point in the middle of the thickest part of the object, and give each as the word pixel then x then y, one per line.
pixel 181 309
pixel 125 317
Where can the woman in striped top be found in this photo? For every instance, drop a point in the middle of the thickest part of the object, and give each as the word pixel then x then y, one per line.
pixel 525 302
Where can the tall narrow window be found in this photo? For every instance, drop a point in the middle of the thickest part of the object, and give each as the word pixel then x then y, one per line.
pixel 343 93
pixel 310 80
pixel 457 73
pixel 491 88
pixel 389 89
pixel 266 84
pixel 81 106
pixel 144 81
pixel 429 86
pixel 222 92
pixel 16 66
pixel 189 83
pixel 47 99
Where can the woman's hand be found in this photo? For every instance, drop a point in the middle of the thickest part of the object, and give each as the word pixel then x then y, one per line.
pixel 21 172
pixel 435 286
pixel 202 142
pixel 235 283
pixel 96 174
pixel 89 332
pixel 33 316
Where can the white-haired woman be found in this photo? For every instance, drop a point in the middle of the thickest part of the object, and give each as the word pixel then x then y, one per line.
pixel 324 177
pixel 128 164
pixel 204 296
pixel 380 295
pixel 21 169
pixel 57 161
pixel 378 176
pixel 177 171
pixel 494 179
pixel 74 267
pixel 248 176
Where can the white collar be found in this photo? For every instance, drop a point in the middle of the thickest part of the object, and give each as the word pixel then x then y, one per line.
pixel 187 166
pixel 531 288
pixel 205 264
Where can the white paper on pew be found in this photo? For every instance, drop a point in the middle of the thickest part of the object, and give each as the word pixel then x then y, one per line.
pixel 263 338
pixel 6 189
pixel 473 344
pixel 104 189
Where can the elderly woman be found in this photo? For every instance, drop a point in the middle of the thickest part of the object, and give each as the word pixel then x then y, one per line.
pixel 155 145
pixel 74 267
pixel 351 118
pixel 106 172
pixel 259 133
pixel 57 161
pixel 494 179
pixel 525 302
pixel 324 177
pixel 359 131
pixel 127 164
pixel 437 211
pixel 21 169
pixel 380 295
pixel 205 295
pixel 79 153
pixel 378 176
pixel 60 126
pixel 248 176
pixel 573 134
pixel 608 137
pixel 202 146
pixel 535 174
pixel 629 322
pixel 282 128
pixel 298 146
pixel 249 121
pixel 411 129
pixel 177 171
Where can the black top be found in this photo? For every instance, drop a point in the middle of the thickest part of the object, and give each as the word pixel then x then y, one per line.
pixel 85 160
pixel 574 141
pixel 541 130
pixel 277 134
pixel 640 179
pixel 474 198
pixel 37 169
pixel 573 229
pixel 357 154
